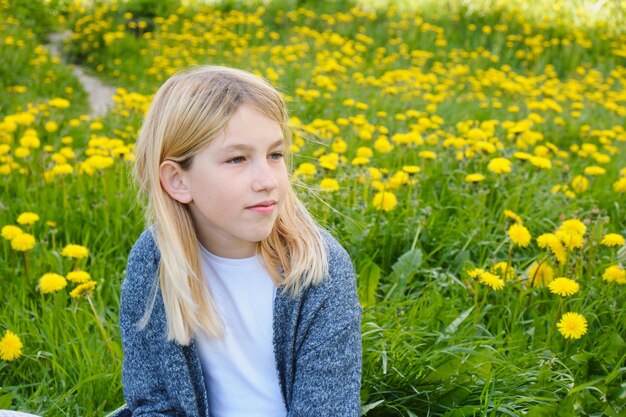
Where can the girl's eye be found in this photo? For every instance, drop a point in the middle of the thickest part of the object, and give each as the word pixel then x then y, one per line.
pixel 276 155
pixel 236 160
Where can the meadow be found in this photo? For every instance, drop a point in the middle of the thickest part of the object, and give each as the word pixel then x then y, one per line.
pixel 470 156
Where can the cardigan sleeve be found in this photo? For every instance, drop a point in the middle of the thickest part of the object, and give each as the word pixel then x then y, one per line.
pixel 142 376
pixel 327 378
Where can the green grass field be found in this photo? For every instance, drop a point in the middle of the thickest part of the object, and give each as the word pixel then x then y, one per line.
pixel 466 154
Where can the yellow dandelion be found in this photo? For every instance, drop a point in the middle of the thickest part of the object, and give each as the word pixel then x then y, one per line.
pixel 573 226
pixel 411 169
pixel 511 215
pixel 594 171
pixel 364 152
pixel 614 273
pixel 383 145
pixel 499 166
pixel 306 169
pixel 23 242
pixel 572 325
pixel 505 270
pixel 78 277
pixel 51 282
pixel 491 280
pixel 59 103
pixel 580 183
pixel 540 275
pixel 27 218
pixel 329 185
pixel 51 126
pixel 475 177
pixel 75 251
pixel 620 185
pixel 83 290
pixel 612 239
pixel 519 235
pixel 10 346
pixel 564 286
pixel 360 160
pixel 570 239
pixel 552 242
pixel 427 155
pixel 10 231
pixel 475 272
pixel 547 239
pixel 385 200
pixel 541 162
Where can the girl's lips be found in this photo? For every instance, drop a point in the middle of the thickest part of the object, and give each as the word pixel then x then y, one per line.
pixel 264 207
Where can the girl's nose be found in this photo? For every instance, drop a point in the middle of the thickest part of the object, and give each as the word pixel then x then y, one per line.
pixel 264 178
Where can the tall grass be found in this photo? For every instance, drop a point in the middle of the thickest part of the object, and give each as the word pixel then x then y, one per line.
pixel 449 87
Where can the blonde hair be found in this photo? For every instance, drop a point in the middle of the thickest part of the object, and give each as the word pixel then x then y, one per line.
pixel 189 110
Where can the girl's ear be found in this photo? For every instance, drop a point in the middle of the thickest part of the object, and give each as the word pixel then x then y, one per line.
pixel 173 181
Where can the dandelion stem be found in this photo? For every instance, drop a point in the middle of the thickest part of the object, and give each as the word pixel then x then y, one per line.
pixel 102 331
pixel 25 255
pixel 553 326
pixel 508 262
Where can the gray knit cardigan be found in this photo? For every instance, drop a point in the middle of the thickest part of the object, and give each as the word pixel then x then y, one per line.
pixel 317 345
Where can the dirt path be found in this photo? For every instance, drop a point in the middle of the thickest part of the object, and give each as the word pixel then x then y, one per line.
pixel 100 94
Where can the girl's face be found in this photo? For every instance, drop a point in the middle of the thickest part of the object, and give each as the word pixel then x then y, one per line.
pixel 238 184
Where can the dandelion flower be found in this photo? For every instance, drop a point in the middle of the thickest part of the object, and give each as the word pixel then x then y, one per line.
pixel 51 282
pixel 475 272
pixel 546 240
pixel 360 160
pixel 564 286
pixel 364 152
pixel 540 275
pixel 306 169
pixel 620 185
pixel 427 155
pixel 27 218
pixel 83 290
pixel 595 171
pixel 78 277
pixel 612 239
pixel 573 226
pixel 541 162
pixel 411 169
pixel 75 251
pixel 10 346
pixel 572 325
pixel 10 231
pixel 519 235
pixel 551 241
pixel 383 146
pixel 614 273
pixel 580 183
pixel 491 280
pixel 385 200
pixel 474 177
pixel 23 242
pixel 511 215
pixel 505 270
pixel 51 126
pixel 499 166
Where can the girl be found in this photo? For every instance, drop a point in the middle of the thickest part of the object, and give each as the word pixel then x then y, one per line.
pixel 235 303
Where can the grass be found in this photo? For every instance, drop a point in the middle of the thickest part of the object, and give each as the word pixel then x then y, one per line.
pixel 465 82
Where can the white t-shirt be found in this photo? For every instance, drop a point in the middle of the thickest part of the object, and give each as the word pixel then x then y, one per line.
pixel 240 369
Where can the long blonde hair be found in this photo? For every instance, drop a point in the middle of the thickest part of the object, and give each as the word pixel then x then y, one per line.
pixel 189 110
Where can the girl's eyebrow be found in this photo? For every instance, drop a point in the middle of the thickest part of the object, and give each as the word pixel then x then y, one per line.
pixel 245 147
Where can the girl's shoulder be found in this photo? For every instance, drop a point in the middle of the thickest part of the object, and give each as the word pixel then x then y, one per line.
pixel 145 247
pixel 340 277
pixel 338 257
pixel 143 259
